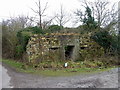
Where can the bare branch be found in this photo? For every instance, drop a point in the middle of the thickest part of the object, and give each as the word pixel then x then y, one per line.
pixel 44 8
pixel 34 11
pixel 100 11
pixel 62 18
pixel 40 12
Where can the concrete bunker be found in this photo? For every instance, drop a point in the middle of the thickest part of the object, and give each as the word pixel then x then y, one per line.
pixel 53 47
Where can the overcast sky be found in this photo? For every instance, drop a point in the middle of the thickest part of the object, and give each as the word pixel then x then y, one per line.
pixel 13 8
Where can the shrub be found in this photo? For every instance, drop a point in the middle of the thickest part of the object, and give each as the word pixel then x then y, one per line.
pixel 103 38
pixel 54 28
pixel 50 65
pixel 111 44
pixel 19 51
pixel 24 35
pixel 90 64
pixel 118 48
pixel 36 30
pixel 108 61
pixel 23 39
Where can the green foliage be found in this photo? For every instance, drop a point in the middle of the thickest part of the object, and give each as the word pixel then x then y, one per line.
pixel 115 45
pixel 50 65
pixel 118 48
pixel 109 60
pixel 94 64
pixel 36 30
pixel 9 42
pixel 111 44
pixel 54 28
pixel 89 22
pixel 103 38
pixel 24 35
pixel 19 51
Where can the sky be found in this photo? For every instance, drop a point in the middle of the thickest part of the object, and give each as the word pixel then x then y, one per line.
pixel 13 8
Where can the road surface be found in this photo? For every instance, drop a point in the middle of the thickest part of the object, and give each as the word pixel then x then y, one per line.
pixel 4 78
pixel 107 79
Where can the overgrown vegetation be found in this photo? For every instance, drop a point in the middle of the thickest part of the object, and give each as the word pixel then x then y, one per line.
pixel 89 56
pixel 17 32
pixel 15 44
pixel 55 28
pixel 108 42
pixel 23 37
pixel 69 71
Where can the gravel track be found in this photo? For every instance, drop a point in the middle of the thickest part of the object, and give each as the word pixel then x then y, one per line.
pixel 107 79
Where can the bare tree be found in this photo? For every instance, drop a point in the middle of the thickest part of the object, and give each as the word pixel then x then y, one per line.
pixel 18 23
pixel 47 23
pixel 119 17
pixel 23 20
pixel 40 12
pixel 103 13
pixel 62 18
pixel 9 39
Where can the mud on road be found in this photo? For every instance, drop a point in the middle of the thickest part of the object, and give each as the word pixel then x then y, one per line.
pixel 107 79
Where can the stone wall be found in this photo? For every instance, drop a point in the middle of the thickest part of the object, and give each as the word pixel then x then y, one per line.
pixel 61 46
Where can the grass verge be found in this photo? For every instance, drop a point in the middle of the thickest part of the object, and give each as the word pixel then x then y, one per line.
pixel 51 72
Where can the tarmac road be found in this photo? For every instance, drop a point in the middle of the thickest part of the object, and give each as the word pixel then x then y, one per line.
pixel 4 78
pixel 107 79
